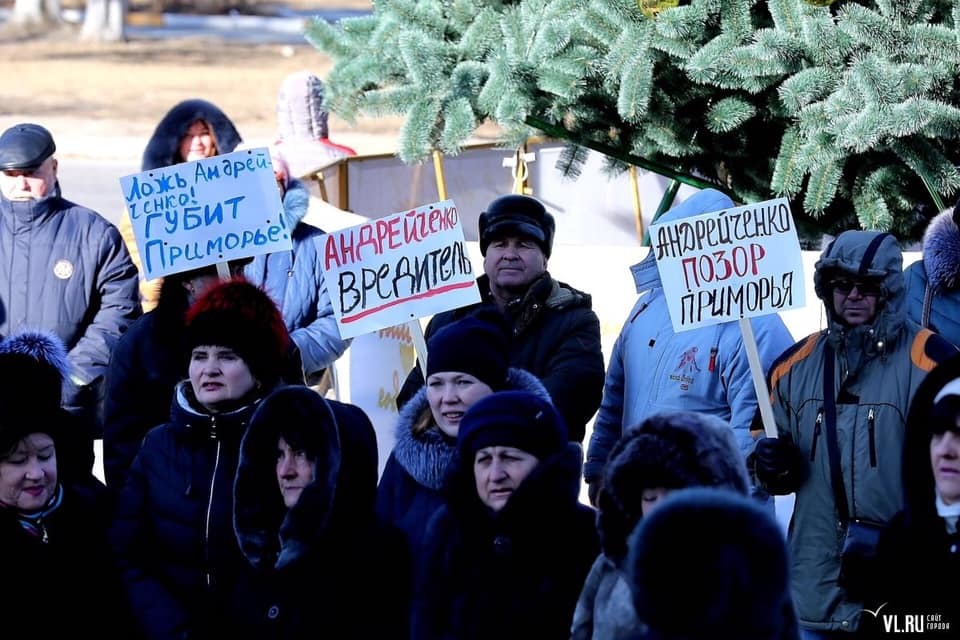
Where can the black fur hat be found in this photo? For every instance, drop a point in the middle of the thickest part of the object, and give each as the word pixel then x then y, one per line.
pixel 519 215
pixel 710 563
pixel 673 450
pixel 33 365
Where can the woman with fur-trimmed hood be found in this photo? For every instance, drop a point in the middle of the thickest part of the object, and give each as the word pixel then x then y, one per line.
pixel 666 452
pixel 304 519
pixel 192 129
pixel 467 361
pixel 933 283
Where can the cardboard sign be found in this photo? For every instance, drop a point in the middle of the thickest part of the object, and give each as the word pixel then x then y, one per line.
pixel 394 269
pixel 729 265
pixel 198 213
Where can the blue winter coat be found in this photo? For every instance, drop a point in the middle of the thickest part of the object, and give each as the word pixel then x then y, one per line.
pixel 410 488
pixel 64 268
pixel 295 281
pixel 172 532
pixel 654 369
pixel 933 283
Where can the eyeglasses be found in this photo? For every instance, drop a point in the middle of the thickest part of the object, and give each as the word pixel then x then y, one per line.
pixel 866 287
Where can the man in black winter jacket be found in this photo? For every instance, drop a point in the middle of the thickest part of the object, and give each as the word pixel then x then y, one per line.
pixel 556 334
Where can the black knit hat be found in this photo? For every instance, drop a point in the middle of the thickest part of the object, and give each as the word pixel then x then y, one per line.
pixel 517 419
pixel 239 315
pixel 517 215
pixel 33 365
pixel 710 563
pixel 477 344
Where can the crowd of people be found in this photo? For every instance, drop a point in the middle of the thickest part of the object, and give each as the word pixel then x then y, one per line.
pixel 240 501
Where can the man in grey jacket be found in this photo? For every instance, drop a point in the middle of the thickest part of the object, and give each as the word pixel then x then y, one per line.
pixel 840 399
pixel 63 267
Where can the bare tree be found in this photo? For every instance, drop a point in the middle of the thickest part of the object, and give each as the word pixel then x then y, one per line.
pixel 104 20
pixel 37 13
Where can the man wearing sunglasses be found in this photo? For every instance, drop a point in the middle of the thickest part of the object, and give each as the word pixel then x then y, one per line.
pixel 840 398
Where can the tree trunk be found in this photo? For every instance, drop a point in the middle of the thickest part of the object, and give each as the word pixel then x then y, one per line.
pixel 104 20
pixel 36 13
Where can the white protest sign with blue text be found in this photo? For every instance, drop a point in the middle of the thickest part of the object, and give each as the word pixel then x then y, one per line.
pixel 397 268
pixel 728 265
pixel 198 213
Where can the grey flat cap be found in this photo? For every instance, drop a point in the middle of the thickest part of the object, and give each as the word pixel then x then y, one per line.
pixel 25 146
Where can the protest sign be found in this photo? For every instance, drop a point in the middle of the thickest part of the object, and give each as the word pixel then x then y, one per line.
pixel 395 269
pixel 204 212
pixel 727 265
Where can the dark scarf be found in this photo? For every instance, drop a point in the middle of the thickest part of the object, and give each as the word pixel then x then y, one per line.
pixel 32 522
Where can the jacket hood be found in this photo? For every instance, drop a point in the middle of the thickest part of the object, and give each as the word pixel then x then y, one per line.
pixel 674 450
pixel 645 274
pixel 871 254
pixel 338 502
pixel 427 455
pixel 163 147
pixel 941 252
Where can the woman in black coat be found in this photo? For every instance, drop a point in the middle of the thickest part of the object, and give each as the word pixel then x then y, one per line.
pixel 53 522
pixel 507 555
pixel 304 518
pixel 173 527
pixel 923 539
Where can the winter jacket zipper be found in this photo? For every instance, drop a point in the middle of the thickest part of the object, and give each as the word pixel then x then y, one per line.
pixel 213 481
pixel 816 434
pixel 872 436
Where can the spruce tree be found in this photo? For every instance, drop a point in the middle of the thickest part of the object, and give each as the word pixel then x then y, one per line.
pixel 848 109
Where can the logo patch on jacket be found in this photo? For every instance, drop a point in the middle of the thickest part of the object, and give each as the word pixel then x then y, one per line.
pixel 687 365
pixel 63 269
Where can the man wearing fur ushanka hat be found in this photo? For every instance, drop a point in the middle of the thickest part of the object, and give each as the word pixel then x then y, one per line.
pixel 174 528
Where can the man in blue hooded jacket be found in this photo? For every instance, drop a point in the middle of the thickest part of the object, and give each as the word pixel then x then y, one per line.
pixel 654 369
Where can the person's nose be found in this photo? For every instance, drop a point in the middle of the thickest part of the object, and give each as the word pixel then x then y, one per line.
pixel 497 470
pixel 211 367
pixel 450 395
pixel 855 292
pixel 34 470
pixel 949 445
pixel 286 467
